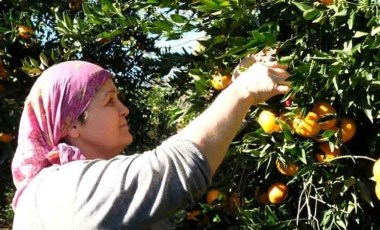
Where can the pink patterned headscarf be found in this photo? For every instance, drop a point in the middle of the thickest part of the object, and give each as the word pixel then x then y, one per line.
pixel 58 97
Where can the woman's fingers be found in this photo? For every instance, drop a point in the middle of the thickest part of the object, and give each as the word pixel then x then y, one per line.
pixel 278 74
pixel 275 64
pixel 282 89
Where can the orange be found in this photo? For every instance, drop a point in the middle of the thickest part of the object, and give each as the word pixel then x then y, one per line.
pixel 307 126
pixel 75 5
pixel 212 196
pixel 220 82
pixel 286 169
pixel 327 154
pixel 377 190
pixel 197 216
pixel 194 215
pixel 25 32
pixel 277 192
pixel 348 129
pixel 322 109
pixel 327 2
pixel 376 170
pixel 267 121
pixel 5 137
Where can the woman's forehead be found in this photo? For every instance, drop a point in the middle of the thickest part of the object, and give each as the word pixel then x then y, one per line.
pixel 107 87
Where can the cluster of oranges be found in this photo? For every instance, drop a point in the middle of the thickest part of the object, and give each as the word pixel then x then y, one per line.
pixel 322 117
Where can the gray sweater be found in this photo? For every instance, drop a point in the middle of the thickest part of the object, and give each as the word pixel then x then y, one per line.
pixel 127 192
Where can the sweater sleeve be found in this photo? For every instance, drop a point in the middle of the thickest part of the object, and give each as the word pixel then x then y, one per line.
pixel 134 192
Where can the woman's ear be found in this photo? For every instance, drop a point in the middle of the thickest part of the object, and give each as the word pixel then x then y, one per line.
pixel 73 131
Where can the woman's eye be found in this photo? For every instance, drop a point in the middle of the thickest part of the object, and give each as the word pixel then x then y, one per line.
pixel 111 102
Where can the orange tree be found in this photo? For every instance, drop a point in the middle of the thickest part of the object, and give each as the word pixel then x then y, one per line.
pixel 332 51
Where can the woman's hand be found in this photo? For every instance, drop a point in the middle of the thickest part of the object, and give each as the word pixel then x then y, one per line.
pixel 260 78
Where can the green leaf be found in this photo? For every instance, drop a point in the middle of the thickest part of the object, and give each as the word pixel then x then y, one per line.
pixel 67 21
pixel 44 59
pixel 163 25
pixel 364 193
pixel 311 14
pixel 303 6
pixel 178 18
pixel 359 34
pixel 375 31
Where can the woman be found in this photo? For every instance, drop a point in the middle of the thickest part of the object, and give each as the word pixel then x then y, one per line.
pixel 67 167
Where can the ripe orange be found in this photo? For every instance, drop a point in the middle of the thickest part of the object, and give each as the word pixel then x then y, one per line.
pixel 327 154
pixel 196 215
pixel 322 109
pixel 377 190
pixel 193 215
pixel 25 32
pixel 376 170
pixel 277 192
pixel 220 82
pixel 267 121
pixel 212 196
pixel 288 169
pixel 75 5
pixel 327 2
pixel 306 126
pixel 5 137
pixel 348 129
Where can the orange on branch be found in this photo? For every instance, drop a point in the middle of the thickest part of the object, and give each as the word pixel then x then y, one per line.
pixel 286 169
pixel 5 137
pixel 306 126
pixel 323 109
pixel 277 192
pixel 348 129
pixel 213 195
pixel 377 190
pixel 25 32
pixel 220 82
pixel 327 2
pixel 268 122
pixel 327 155
pixel 192 215
pixel 376 170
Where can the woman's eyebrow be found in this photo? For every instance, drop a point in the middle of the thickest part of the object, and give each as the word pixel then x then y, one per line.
pixel 111 91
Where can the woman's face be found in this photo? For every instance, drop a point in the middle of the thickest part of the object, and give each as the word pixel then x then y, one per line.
pixel 105 132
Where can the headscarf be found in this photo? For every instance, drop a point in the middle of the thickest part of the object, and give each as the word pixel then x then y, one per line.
pixel 58 97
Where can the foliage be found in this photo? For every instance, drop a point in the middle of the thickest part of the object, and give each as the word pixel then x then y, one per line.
pixel 332 53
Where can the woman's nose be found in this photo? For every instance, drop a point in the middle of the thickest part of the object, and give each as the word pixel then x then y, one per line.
pixel 124 111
